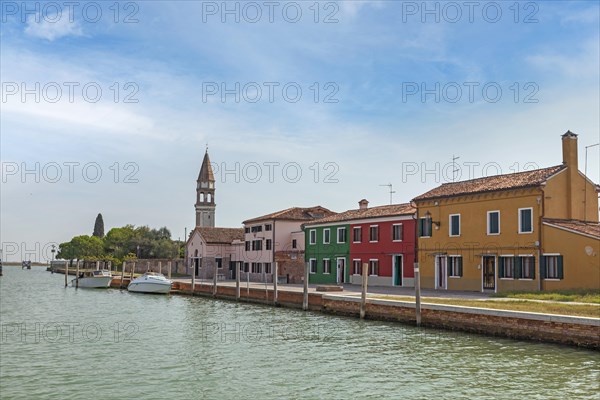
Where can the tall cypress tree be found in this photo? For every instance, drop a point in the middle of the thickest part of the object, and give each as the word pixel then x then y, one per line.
pixel 99 227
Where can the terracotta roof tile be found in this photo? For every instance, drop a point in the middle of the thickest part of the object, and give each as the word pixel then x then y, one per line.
pixel 492 183
pixel 584 227
pixel 295 214
pixel 221 235
pixel 371 212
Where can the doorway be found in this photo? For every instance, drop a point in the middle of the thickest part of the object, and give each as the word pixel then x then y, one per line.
pixel 441 272
pixel 489 272
pixel 341 270
pixel 398 265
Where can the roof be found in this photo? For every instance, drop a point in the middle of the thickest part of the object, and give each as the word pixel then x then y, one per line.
pixel 371 212
pixel 518 180
pixel 295 214
pixel 206 172
pixel 588 228
pixel 220 235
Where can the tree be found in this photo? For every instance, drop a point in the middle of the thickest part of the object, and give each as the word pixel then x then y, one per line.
pixel 81 247
pixel 99 227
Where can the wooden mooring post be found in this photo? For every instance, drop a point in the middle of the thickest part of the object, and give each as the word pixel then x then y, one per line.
pixel 193 279
pixel 214 288
pixel 169 269
pixel 122 275
pixel 417 294
pixel 237 280
pixel 275 291
pixel 77 275
pixel 160 267
pixel 363 296
pixel 306 274
pixel 67 273
pixel 147 266
pixel 132 271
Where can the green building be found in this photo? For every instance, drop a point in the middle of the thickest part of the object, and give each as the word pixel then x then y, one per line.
pixel 327 250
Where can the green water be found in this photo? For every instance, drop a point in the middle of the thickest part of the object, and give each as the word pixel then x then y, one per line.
pixel 62 343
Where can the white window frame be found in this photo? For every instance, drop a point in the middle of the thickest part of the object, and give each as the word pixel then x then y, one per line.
pixel 401 232
pixel 450 225
pixel 360 234
pixel 373 226
pixel 512 256
pixel 546 266
pixel 359 266
pixel 338 234
pixel 521 231
pixel 310 264
pixel 419 222
pixel 535 263
pixel 488 223
pixel 448 257
pixel 328 230
pixel 329 263
pixel 312 236
pixel 377 260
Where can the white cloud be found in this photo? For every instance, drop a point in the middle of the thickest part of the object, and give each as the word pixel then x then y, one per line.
pixel 51 27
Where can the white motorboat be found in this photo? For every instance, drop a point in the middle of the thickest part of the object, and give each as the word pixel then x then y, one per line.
pixel 94 279
pixel 150 282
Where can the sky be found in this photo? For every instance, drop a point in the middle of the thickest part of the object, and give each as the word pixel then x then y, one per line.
pixel 108 107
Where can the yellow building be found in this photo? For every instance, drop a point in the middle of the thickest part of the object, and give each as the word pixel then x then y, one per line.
pixel 532 230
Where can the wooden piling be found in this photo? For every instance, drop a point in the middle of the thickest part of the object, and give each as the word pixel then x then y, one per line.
pixel 193 279
pixel 147 266
pixel 275 291
pixel 363 296
pixel 417 294
pixel 122 275
pixel 237 280
pixel 169 269
pixel 214 290
pixel 160 267
pixel 110 267
pixel 67 273
pixel 305 298
pixel 132 271
pixel 77 275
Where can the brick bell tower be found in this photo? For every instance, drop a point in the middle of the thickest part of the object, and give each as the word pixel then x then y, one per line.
pixel 205 195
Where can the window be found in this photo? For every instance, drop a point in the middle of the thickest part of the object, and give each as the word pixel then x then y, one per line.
pixel 455 266
pixel 525 267
pixel 257 228
pixel 506 267
pixel 257 245
pixel 356 234
pixel 425 227
pixel 247 230
pixel 397 232
pixel 313 265
pixel 493 222
pixel 326 236
pixel 268 227
pixel 247 245
pixel 255 268
pixel 341 235
pixel 374 233
pixel 294 244
pixel 373 267
pixel 267 268
pixel 219 262
pixel 525 220
pixel 246 267
pixel 454 225
pixel 552 267
pixel 269 244
pixel 356 267
pixel 326 266
pixel 312 236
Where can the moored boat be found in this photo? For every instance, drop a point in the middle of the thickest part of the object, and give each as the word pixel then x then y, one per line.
pixel 94 279
pixel 150 282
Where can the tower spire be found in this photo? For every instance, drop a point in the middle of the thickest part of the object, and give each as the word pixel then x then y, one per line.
pixel 205 194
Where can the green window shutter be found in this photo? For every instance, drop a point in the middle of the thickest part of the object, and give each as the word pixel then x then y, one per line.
pixel 517 267
pixel 420 227
pixel 532 267
pixel 449 265
pixel 543 267
pixel 560 267
pixel 460 266
pixel 500 267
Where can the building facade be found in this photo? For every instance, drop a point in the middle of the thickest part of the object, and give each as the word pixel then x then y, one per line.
pixel 382 237
pixel 277 237
pixel 494 234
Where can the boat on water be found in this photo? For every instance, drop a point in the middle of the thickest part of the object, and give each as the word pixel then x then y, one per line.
pixel 94 279
pixel 150 282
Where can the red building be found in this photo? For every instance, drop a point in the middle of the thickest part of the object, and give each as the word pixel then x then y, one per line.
pixel 384 238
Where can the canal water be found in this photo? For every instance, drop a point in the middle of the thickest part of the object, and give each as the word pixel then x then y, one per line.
pixel 63 343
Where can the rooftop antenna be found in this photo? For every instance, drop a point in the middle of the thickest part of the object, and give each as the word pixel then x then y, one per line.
pixel 391 191
pixel 454 166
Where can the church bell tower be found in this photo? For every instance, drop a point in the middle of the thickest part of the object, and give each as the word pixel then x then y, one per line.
pixel 205 195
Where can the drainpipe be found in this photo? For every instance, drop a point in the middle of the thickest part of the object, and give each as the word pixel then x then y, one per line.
pixel 540 247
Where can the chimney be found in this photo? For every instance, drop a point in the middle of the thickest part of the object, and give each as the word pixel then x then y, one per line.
pixel 363 204
pixel 569 149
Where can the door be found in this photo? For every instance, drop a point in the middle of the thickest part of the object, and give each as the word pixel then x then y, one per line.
pixel 341 270
pixel 489 272
pixel 440 272
pixel 398 267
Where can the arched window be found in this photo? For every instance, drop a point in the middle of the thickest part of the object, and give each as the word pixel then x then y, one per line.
pixel 196 253
pixel 208 197
pixel 202 197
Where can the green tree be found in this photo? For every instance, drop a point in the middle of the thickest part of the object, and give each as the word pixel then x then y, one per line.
pixel 81 247
pixel 99 227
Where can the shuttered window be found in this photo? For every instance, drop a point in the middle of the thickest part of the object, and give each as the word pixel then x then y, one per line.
pixel 551 267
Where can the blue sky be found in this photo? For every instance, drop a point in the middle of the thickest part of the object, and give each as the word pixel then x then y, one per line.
pixel 373 62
